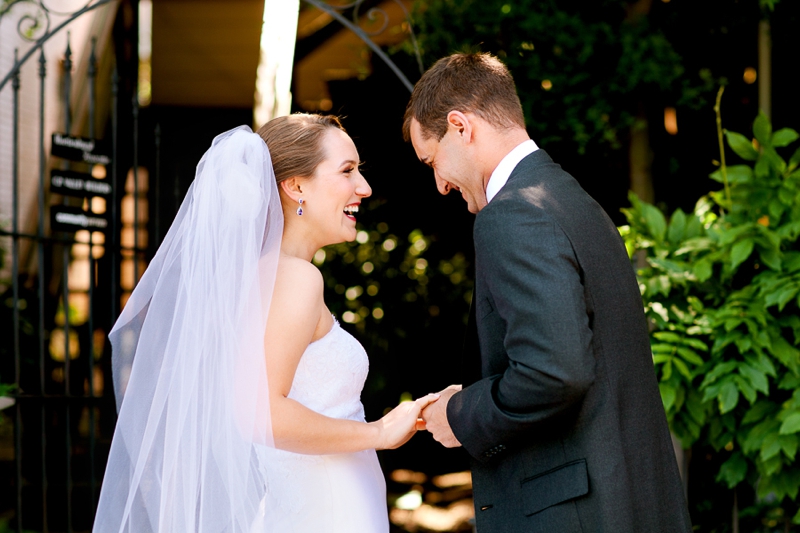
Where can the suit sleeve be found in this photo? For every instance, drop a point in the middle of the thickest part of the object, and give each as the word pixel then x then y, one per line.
pixel 534 282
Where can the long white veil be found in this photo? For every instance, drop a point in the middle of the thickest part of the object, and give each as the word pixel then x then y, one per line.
pixel 188 357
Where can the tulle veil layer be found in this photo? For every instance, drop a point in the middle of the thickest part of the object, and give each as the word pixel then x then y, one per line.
pixel 188 357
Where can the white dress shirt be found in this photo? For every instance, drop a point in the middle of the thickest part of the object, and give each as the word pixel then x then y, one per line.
pixel 501 174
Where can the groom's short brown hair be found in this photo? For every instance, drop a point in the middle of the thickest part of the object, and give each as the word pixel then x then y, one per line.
pixel 476 83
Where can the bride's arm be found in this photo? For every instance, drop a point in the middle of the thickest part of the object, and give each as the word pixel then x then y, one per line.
pixel 296 312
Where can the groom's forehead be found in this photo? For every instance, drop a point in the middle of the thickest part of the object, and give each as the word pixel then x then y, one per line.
pixel 423 146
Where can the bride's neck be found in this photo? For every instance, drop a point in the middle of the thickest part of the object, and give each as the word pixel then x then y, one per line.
pixel 296 243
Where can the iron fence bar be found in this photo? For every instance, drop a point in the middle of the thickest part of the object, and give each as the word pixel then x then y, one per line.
pixel 65 251
pixel 135 186
pixel 157 185
pixel 42 74
pixel 15 284
pixel 44 38
pixel 92 74
pixel 114 186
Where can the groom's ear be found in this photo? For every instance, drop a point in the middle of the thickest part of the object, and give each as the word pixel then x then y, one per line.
pixel 461 125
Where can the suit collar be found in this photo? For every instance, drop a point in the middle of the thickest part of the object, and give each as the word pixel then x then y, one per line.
pixel 537 159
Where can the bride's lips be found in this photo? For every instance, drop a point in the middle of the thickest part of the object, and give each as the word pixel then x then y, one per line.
pixel 350 210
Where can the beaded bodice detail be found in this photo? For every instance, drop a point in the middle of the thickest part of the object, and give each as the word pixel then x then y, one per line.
pixel 331 375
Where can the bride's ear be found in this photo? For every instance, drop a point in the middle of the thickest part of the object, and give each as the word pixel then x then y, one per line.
pixel 292 188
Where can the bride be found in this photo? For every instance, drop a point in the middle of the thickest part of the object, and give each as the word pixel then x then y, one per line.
pixel 238 393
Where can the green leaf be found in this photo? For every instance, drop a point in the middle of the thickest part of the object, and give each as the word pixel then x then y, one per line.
pixel 660 359
pixel 785 352
pixel 791 424
pixel 690 356
pixel 718 371
pixel 740 252
pixel 775 161
pixel 655 221
pixel 741 146
pixel 789 445
pixel 758 412
pixel 695 406
pixel 677 225
pixel 694 227
pixel 795 159
pixel 667 395
pixel 770 447
pixel 786 295
pixel 769 467
pixel 762 129
pixel 728 397
pixel 776 209
pixel 746 389
pixel 762 168
pixel 682 368
pixel 668 336
pixel 784 137
pixel 791 261
pixel 789 382
pixel 757 435
pixel 702 270
pixel 771 257
pixel 738 174
pixel 733 471
pixel 757 379
pixel 695 343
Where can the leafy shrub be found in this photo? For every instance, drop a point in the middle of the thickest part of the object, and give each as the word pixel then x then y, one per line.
pixel 721 287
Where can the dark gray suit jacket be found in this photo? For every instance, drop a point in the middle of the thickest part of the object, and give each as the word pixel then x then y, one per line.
pixel 565 425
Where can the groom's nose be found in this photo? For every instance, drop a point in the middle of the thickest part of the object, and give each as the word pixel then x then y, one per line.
pixel 443 185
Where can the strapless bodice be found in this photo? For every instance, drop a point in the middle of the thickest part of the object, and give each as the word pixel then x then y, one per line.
pixel 331 375
pixel 339 493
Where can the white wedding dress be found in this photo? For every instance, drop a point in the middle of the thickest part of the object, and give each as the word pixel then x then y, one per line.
pixel 343 493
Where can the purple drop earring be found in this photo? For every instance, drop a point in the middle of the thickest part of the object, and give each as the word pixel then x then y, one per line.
pixel 300 209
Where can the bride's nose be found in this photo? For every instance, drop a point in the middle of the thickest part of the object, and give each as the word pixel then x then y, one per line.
pixel 363 189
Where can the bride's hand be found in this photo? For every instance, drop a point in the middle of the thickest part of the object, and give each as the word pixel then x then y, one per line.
pixel 399 425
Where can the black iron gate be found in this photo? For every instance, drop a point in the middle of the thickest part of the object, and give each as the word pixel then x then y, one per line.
pixel 64 288
pixel 90 224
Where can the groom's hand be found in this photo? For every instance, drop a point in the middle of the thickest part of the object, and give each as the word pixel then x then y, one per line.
pixel 435 417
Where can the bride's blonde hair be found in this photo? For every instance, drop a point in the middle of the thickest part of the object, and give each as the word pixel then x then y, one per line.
pixel 295 143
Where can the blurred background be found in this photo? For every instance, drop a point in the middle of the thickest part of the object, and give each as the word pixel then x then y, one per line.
pixel 107 106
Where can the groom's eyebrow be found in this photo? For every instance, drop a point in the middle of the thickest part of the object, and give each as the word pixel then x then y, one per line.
pixel 425 161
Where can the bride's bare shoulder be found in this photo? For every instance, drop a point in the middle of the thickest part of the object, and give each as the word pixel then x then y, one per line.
pixel 298 275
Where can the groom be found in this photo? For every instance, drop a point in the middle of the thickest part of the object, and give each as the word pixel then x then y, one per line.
pixel 562 419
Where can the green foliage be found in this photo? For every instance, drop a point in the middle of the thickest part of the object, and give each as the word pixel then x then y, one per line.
pixel 581 69
pixel 721 287
pixel 6 389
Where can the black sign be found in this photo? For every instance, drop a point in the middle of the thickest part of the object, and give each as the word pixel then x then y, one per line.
pixel 67 218
pixel 80 149
pixel 78 184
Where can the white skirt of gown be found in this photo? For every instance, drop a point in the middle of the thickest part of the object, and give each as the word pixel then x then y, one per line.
pixel 343 493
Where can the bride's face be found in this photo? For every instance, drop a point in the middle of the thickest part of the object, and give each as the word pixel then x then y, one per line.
pixel 332 197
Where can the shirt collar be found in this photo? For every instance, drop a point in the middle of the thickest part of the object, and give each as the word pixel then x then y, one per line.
pixel 503 171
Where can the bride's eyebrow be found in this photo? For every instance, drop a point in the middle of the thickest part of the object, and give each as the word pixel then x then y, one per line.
pixel 351 162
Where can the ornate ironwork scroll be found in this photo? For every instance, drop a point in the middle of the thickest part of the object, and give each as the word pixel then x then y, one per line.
pixel 374 15
pixel 35 25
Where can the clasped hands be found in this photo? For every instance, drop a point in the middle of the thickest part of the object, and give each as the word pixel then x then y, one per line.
pixel 433 418
pixel 425 413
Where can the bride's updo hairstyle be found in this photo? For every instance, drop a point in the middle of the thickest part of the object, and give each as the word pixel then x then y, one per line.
pixel 295 143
